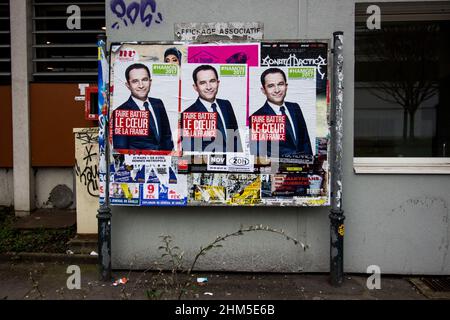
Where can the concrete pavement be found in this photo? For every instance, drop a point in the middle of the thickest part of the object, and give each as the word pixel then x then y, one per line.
pixel 48 280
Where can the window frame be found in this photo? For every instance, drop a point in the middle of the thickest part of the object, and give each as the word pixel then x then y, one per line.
pixel 401 11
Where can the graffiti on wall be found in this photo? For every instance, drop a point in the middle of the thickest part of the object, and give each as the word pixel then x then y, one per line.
pixel 87 137
pixel 86 163
pixel 145 10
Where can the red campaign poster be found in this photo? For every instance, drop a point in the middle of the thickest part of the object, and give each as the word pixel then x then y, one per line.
pixel 283 112
pixel 213 108
pixel 145 105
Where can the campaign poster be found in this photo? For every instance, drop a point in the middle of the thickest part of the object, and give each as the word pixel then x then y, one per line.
pixel 287 185
pixel 144 113
pixel 163 185
pixel 224 189
pixel 174 53
pixel 147 180
pixel 124 193
pixel 207 188
pixel 237 53
pixel 152 53
pixel 303 54
pixel 235 162
pixel 244 189
pixel 282 110
pixel 213 105
pixel 294 189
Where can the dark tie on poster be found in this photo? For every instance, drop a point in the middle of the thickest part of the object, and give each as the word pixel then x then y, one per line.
pixel 152 121
pixel 220 125
pixel 288 123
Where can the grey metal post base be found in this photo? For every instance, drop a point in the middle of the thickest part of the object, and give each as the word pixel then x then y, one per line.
pixel 104 242
pixel 337 247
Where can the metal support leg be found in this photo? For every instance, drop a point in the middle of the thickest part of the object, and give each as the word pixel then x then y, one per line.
pixel 337 247
pixel 104 242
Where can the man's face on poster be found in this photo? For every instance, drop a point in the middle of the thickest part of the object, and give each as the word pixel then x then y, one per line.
pixel 207 85
pixel 275 88
pixel 139 83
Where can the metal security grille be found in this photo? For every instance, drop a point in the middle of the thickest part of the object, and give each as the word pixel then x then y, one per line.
pixel 5 43
pixel 433 287
pixel 63 49
pixel 441 284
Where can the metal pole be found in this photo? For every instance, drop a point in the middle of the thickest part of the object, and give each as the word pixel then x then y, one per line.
pixel 337 214
pixel 104 212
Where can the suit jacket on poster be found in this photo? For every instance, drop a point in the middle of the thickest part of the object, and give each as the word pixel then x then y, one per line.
pixel 149 142
pixel 302 145
pixel 233 143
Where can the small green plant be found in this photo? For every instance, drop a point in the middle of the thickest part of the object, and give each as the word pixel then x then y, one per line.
pixel 154 294
pixel 39 240
pixel 181 275
pixel 175 256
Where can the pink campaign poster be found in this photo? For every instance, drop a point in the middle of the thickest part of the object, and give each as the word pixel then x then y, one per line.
pixel 224 53
pixel 248 53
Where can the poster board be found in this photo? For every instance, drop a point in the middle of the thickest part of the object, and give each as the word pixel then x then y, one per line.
pixel 219 124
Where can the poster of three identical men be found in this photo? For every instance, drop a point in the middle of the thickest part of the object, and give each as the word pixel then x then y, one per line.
pixel 174 107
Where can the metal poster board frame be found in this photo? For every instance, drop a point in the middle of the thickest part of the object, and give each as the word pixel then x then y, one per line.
pixel 108 166
pixel 147 174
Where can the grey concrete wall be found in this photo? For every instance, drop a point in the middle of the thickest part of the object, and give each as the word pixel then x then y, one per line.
pixel 20 75
pixel 46 179
pixel 6 187
pixel 399 222
pixel 176 11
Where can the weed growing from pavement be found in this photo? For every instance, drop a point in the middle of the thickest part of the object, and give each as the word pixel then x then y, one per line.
pixel 35 287
pixel 180 280
pixel 39 240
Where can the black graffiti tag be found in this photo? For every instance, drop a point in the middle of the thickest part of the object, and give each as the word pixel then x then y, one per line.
pixel 144 10
pixel 87 137
pixel 89 175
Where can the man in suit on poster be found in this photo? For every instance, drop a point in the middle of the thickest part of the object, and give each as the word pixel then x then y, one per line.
pixel 206 84
pixel 138 81
pixel 297 142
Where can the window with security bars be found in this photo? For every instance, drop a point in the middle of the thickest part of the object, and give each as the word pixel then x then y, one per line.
pixel 5 43
pixel 65 40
